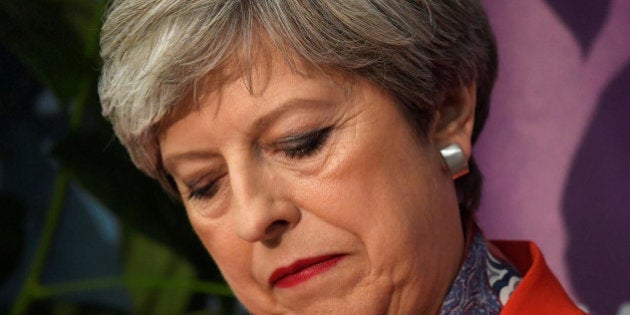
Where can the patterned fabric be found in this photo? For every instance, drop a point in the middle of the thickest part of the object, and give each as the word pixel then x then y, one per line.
pixel 502 277
pixel 483 285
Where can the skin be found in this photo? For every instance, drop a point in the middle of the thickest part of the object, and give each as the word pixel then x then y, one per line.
pixel 373 191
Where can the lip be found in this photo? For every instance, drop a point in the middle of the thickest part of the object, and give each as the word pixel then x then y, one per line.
pixel 303 270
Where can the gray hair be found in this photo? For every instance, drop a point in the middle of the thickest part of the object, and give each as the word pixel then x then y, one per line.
pixel 156 51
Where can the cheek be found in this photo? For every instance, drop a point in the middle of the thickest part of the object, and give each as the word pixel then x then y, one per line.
pixel 387 191
pixel 369 185
pixel 231 254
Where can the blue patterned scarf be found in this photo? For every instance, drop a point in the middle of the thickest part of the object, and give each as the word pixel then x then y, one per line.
pixel 483 284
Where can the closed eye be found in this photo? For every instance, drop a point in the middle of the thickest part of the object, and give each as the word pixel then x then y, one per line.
pixel 294 147
pixel 303 145
pixel 205 192
pixel 205 189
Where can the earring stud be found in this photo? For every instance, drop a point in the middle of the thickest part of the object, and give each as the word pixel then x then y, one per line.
pixel 455 160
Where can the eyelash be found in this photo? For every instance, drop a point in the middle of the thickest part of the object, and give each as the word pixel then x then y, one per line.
pixel 205 192
pixel 304 145
pixel 294 147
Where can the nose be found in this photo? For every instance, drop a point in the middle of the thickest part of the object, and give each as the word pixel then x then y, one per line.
pixel 259 207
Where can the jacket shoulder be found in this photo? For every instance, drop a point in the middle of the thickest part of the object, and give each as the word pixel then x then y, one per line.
pixel 540 291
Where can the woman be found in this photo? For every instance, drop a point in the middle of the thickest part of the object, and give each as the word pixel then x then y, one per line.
pixel 315 145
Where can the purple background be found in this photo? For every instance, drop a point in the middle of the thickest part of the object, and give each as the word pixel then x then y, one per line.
pixel 556 149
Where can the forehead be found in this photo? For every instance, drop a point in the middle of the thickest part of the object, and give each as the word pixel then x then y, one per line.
pixel 257 75
pixel 229 113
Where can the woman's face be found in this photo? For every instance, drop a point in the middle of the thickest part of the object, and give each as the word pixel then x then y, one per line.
pixel 314 195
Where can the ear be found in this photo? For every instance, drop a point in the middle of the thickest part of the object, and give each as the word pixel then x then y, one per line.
pixel 455 118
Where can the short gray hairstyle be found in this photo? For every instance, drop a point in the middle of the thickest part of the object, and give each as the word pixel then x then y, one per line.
pixel 156 51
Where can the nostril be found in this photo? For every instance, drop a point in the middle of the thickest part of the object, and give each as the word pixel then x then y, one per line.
pixel 276 227
pixel 274 232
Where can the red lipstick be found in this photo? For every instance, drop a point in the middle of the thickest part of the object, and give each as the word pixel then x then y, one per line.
pixel 303 270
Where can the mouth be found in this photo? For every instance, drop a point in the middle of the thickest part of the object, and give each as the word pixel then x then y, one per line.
pixel 303 270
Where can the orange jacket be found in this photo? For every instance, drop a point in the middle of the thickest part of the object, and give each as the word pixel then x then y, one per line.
pixel 539 292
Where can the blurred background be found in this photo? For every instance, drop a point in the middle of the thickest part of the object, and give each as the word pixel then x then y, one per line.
pixel 83 232
pixel 555 149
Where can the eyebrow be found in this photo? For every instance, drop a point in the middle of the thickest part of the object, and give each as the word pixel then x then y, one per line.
pixel 258 125
pixel 189 155
pixel 292 104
